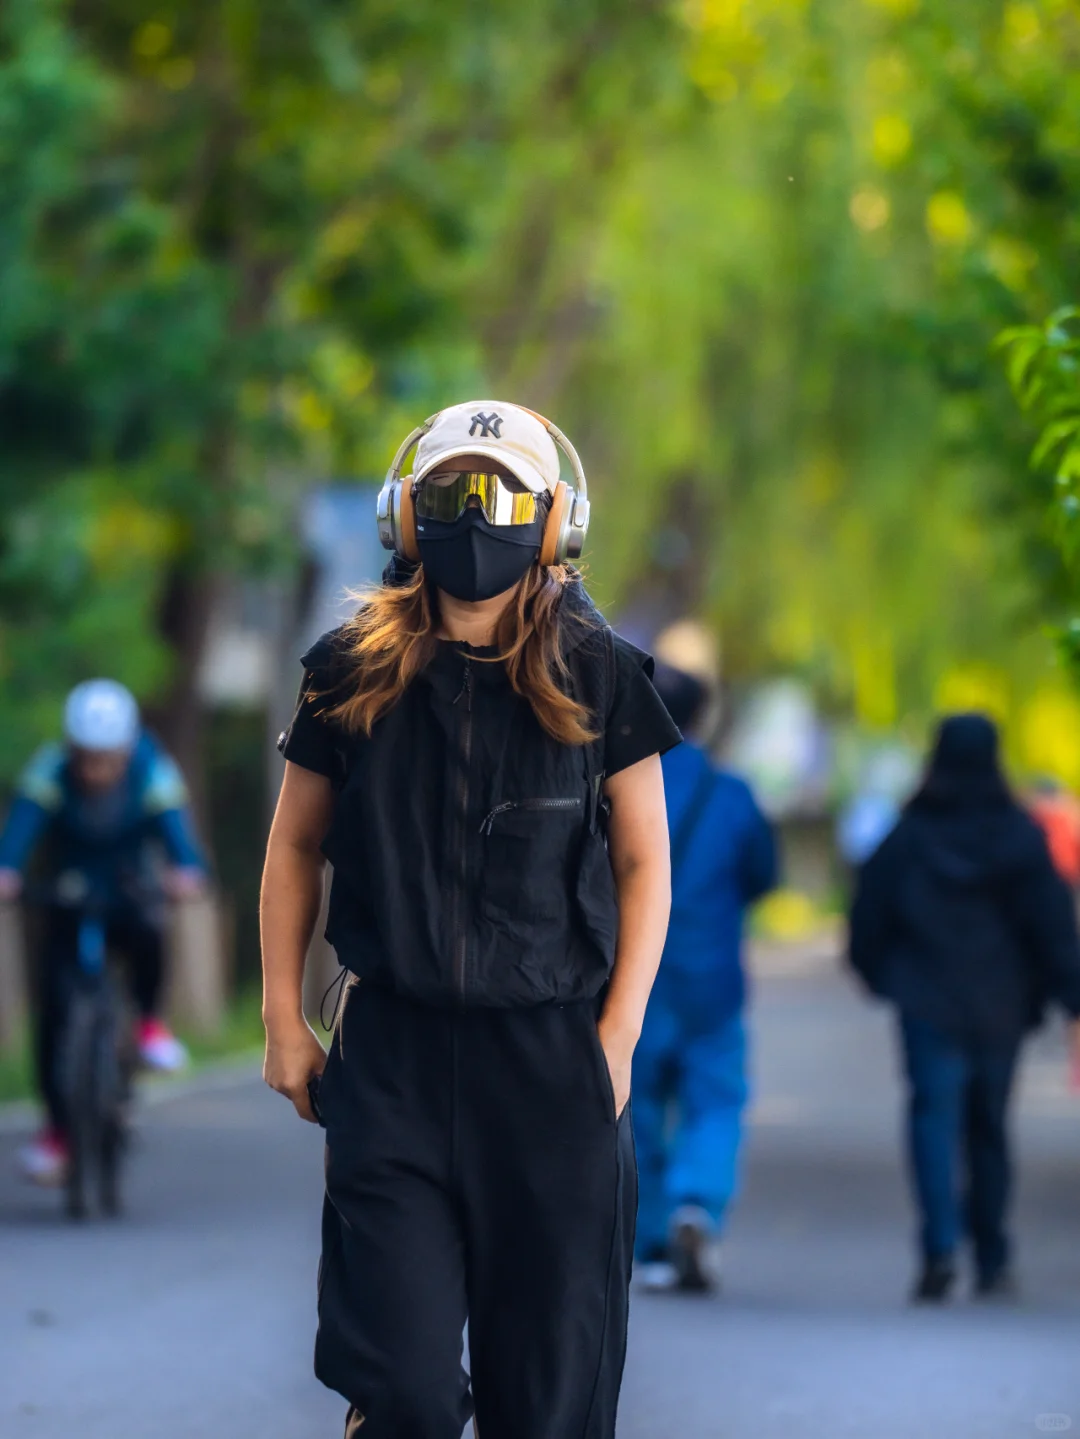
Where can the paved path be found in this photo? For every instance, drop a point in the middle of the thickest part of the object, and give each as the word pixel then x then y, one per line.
pixel 193 1317
pixel 811 1339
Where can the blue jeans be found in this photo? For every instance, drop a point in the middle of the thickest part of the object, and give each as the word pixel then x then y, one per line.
pixel 957 1141
pixel 690 1090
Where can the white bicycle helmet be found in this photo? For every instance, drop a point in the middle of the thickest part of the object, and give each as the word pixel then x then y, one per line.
pixel 101 715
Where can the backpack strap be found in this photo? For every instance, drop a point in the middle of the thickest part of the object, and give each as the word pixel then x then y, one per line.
pixel 594 686
pixel 682 835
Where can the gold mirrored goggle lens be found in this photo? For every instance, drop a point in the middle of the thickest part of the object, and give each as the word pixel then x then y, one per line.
pixel 446 496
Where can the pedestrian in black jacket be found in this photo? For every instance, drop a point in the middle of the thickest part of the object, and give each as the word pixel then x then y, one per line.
pixel 961 921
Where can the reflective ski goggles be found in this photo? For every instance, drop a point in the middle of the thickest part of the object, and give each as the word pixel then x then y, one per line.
pixel 445 496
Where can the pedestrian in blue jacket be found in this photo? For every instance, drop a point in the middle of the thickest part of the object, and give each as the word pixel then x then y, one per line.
pixel 690 1079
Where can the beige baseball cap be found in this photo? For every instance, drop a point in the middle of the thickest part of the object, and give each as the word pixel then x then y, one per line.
pixel 514 437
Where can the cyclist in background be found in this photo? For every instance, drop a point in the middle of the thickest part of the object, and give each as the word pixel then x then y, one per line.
pixel 111 810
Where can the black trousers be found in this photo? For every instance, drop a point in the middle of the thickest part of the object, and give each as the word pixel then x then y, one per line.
pixel 129 933
pixel 475 1169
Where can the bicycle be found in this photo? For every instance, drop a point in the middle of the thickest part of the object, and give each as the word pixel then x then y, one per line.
pixel 96 1057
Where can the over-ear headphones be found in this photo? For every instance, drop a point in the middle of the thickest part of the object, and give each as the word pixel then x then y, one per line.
pixel 565 528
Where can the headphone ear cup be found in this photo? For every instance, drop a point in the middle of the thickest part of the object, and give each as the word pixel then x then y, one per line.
pixel 406 520
pixel 552 551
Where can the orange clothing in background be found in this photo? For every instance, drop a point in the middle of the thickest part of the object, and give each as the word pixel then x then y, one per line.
pixel 1058 815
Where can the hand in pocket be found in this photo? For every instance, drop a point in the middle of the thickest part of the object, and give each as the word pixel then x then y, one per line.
pixel 619 1058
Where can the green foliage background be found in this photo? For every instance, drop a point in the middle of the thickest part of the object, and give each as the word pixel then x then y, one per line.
pixel 750 254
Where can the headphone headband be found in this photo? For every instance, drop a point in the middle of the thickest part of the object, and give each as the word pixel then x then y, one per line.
pixel 414 438
pixel 581 487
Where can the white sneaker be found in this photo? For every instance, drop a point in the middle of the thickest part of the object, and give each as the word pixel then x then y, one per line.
pixel 656 1276
pixel 159 1048
pixel 696 1249
pixel 44 1160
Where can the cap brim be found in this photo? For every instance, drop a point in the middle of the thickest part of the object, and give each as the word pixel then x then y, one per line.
pixel 529 476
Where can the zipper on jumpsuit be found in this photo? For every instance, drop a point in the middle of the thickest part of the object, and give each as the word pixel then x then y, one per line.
pixel 488 822
pixel 460 927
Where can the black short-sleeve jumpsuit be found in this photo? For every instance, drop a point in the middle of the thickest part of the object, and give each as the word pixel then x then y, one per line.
pixel 475 1167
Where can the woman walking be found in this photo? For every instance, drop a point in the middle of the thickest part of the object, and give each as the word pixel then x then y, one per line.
pixel 961 920
pixel 477 755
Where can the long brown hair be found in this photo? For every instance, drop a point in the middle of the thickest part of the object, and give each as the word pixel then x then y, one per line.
pixel 392 638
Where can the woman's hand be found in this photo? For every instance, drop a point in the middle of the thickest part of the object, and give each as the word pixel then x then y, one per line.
pixel 291 894
pixel 619 1052
pixel 638 840
pixel 293 1055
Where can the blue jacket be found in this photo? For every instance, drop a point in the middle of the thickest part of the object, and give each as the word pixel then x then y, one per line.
pixel 729 862
pixel 109 837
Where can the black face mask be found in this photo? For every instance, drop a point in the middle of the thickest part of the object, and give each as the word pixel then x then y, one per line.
pixel 473 559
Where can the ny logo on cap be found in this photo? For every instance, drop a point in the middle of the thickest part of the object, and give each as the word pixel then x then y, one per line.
pixel 489 425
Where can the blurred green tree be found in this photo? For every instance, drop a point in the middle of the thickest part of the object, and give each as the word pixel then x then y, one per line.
pixel 751 253
pixel 798 287
pixel 1043 364
pixel 249 244
pixel 176 227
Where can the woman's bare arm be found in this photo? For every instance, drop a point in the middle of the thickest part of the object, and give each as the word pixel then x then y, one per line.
pixel 292 890
pixel 641 862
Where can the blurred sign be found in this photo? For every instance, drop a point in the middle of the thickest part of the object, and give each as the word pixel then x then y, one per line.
pixel 877 776
pixel 779 743
pixel 340 532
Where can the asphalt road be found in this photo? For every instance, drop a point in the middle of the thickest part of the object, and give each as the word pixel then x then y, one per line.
pixel 193 1316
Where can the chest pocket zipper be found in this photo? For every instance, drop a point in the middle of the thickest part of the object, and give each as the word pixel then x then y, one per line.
pixel 540 805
